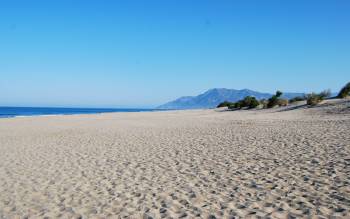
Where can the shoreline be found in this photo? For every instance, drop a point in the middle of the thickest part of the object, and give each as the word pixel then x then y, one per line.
pixel 92 113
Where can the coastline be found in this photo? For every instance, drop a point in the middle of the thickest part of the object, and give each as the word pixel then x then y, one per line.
pixel 60 111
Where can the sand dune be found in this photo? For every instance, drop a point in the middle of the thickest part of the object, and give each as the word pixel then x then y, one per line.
pixel 178 164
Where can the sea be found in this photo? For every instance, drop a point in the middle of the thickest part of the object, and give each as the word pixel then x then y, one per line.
pixel 6 112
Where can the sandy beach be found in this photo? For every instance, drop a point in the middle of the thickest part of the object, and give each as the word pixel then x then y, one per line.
pixel 279 163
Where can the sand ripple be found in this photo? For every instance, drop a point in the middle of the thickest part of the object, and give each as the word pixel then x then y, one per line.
pixel 181 164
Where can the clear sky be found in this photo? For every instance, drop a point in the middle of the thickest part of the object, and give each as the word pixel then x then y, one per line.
pixel 128 53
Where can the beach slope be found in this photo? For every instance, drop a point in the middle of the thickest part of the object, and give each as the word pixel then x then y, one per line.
pixel 276 163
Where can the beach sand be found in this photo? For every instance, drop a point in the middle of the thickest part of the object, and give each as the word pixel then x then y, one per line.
pixel 278 163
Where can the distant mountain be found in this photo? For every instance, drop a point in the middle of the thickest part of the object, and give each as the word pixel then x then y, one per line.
pixel 212 97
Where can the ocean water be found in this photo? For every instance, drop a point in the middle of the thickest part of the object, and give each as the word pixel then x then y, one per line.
pixel 6 112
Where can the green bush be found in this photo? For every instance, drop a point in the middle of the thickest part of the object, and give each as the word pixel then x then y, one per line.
pixel 273 101
pixel 249 102
pixel 345 91
pixel 237 105
pixel 224 104
pixel 278 94
pixel 313 99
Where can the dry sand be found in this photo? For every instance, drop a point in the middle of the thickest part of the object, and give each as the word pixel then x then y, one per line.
pixel 276 163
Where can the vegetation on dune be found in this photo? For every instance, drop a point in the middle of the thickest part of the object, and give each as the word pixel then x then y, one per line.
pixel 276 100
pixel 282 102
pixel 251 102
pixel 224 104
pixel 271 102
pixel 264 103
pixel 345 91
pixel 296 99
pixel 248 102
pixel 313 99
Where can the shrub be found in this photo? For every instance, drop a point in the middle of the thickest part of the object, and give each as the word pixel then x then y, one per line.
pixel 314 98
pixel 249 101
pixel 345 91
pixel 278 94
pixel 224 104
pixel 236 105
pixel 273 101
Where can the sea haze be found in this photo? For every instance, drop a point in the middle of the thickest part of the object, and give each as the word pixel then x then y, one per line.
pixel 6 112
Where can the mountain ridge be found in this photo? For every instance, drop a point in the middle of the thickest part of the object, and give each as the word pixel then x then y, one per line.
pixel 212 97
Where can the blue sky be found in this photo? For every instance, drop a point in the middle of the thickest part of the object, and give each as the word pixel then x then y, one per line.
pixel 144 53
